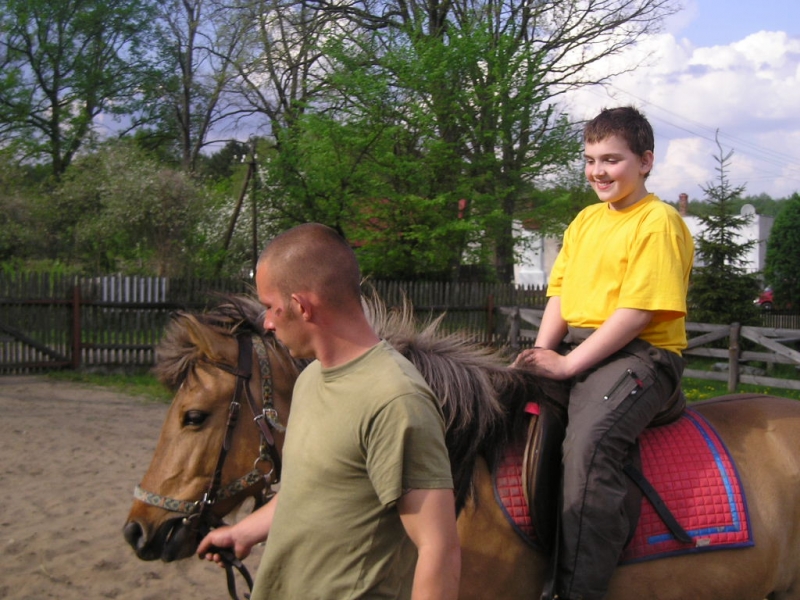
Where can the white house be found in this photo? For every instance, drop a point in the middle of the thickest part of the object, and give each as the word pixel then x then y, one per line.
pixel 535 256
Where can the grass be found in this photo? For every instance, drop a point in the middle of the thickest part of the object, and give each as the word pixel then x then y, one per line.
pixel 147 386
pixel 702 389
pixel 135 384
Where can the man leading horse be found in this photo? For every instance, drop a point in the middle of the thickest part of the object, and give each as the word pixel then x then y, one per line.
pixel 366 507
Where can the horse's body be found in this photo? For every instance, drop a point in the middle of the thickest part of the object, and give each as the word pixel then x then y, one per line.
pixel 481 398
pixel 762 434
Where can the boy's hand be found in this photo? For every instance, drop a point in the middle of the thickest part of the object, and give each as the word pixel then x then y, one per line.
pixel 544 362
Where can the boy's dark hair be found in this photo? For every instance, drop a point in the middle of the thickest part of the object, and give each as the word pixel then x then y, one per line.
pixel 625 122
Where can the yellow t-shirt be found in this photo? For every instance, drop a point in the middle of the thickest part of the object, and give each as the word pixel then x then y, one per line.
pixel 639 257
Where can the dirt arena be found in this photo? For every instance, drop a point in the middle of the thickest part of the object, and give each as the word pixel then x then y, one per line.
pixel 70 456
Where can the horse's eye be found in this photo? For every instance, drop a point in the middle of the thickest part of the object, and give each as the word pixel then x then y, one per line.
pixel 194 418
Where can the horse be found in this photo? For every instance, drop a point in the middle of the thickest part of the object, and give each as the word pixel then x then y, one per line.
pixel 482 398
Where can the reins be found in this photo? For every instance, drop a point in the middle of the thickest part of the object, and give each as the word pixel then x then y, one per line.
pixel 198 515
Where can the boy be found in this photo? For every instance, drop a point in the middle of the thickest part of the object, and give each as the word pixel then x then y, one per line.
pixel 617 300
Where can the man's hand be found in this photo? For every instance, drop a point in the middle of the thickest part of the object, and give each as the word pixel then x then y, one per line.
pixel 240 537
pixel 223 537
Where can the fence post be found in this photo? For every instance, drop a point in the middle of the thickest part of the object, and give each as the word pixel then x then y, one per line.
pixel 490 318
pixel 76 326
pixel 513 330
pixel 733 357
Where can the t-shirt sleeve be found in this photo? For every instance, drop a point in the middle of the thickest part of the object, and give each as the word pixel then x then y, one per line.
pixel 659 256
pixel 406 448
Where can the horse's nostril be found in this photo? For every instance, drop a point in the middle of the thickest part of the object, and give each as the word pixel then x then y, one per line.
pixel 134 534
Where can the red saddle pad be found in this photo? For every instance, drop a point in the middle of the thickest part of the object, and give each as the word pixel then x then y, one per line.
pixel 693 472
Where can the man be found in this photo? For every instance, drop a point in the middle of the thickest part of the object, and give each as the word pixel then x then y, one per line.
pixel 366 507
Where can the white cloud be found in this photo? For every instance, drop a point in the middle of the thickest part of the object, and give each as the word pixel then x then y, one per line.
pixel 747 89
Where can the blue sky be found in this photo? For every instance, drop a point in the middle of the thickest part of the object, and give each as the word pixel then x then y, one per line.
pixel 731 66
pixel 720 22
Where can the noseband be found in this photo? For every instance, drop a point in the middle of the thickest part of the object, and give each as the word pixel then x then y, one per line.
pixel 198 515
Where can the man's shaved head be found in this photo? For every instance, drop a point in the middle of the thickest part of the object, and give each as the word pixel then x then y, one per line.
pixel 313 257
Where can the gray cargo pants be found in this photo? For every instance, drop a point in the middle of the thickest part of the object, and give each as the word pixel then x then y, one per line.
pixel 609 406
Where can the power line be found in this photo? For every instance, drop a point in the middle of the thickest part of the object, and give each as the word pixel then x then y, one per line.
pixel 767 155
pixel 784 166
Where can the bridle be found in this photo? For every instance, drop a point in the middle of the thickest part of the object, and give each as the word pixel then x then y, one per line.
pixel 198 515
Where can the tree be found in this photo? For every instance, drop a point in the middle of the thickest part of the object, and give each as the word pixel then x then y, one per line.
pixel 19 229
pixel 117 210
pixel 63 64
pixel 477 83
pixel 721 290
pixel 782 270
pixel 198 43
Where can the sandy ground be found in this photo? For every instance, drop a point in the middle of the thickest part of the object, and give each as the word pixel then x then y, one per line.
pixel 70 456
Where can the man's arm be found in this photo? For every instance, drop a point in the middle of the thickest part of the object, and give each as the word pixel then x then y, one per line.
pixel 429 518
pixel 242 536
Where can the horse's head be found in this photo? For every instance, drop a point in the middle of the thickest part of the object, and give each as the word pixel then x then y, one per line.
pixel 210 456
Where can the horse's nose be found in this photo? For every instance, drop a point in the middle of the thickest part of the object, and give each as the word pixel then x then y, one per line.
pixel 134 535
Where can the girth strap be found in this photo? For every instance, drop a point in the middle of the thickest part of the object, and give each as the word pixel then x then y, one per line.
pixel 658 503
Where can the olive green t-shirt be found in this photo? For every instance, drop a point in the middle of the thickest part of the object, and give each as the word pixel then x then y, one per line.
pixel 358 435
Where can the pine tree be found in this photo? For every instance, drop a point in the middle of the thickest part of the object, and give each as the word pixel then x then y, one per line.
pixel 722 290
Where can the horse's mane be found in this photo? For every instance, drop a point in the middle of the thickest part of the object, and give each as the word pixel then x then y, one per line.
pixel 480 395
pixel 178 352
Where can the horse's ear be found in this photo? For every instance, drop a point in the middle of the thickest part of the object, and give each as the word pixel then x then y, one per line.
pixel 209 343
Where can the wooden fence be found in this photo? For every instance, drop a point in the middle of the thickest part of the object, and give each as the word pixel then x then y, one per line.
pixel 775 343
pixel 49 322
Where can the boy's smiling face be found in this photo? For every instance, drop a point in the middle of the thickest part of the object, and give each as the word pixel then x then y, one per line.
pixel 616 173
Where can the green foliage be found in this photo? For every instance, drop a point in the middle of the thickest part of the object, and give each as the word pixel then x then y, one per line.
pixel 782 270
pixel 421 135
pixel 118 211
pixel 552 208
pixel 221 165
pixel 424 124
pixel 85 58
pixel 721 289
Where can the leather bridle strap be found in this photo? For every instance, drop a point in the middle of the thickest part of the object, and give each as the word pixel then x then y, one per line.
pixel 201 521
pixel 267 415
pixel 188 507
pixel 243 373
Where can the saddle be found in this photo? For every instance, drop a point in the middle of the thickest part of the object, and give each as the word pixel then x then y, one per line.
pixel 541 477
